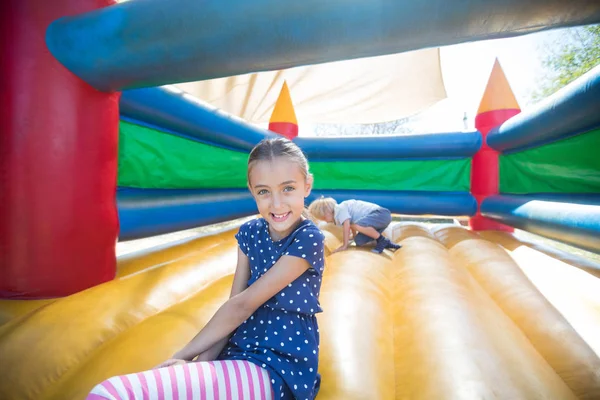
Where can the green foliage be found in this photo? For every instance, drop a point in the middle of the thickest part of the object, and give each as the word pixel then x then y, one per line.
pixel 577 52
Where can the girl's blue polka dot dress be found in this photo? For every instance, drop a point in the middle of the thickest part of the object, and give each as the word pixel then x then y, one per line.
pixel 282 336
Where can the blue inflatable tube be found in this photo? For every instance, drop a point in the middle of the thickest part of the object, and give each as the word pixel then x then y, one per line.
pixel 174 114
pixel 179 115
pixel 150 43
pixel 570 111
pixel 570 219
pixel 410 203
pixel 424 146
pixel 149 212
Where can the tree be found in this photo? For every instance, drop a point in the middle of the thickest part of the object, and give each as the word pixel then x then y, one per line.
pixel 575 54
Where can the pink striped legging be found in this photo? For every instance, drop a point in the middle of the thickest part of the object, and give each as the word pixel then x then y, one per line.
pixel 222 380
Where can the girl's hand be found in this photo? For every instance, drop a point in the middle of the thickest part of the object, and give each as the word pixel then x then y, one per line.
pixel 170 362
pixel 213 353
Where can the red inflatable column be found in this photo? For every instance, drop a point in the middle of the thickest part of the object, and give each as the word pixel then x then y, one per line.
pixel 58 161
pixel 283 120
pixel 497 105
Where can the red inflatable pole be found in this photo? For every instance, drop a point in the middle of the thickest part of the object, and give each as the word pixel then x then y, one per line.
pixel 497 106
pixel 58 161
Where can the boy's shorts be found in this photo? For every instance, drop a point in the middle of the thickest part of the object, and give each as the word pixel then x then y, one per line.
pixel 378 219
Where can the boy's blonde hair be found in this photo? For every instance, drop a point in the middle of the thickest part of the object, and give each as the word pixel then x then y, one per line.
pixel 319 207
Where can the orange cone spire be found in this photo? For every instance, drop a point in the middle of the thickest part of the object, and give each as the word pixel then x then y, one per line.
pixel 497 95
pixel 283 120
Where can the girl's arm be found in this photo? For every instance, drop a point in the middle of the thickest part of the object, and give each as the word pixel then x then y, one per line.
pixel 242 274
pixel 241 306
pixel 240 282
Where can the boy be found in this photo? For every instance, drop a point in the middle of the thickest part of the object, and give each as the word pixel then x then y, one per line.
pixel 369 219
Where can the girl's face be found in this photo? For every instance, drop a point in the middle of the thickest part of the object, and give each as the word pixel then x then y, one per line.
pixel 279 188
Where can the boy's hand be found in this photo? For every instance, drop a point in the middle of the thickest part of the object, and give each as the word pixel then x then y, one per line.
pixel 341 248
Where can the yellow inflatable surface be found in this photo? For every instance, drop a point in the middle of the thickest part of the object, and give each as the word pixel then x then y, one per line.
pixel 452 315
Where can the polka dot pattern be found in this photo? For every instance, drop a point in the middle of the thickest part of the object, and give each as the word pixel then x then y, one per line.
pixel 283 333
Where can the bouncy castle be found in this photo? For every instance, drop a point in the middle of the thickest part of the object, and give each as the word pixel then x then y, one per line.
pixel 95 148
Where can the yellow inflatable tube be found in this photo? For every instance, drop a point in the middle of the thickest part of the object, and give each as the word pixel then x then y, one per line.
pixel 451 341
pixel 572 290
pixel 144 345
pixel 356 355
pixel 128 264
pixel 422 323
pixel 549 332
pixel 51 342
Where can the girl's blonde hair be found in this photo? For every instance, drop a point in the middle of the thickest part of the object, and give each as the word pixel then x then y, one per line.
pixel 269 149
pixel 319 207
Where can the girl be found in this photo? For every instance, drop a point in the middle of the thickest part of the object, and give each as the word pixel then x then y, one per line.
pixel 265 338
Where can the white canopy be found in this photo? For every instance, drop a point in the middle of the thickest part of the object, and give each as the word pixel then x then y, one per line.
pixel 367 90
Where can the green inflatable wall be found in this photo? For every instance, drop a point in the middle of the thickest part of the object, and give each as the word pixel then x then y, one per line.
pixel 571 165
pixel 152 159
